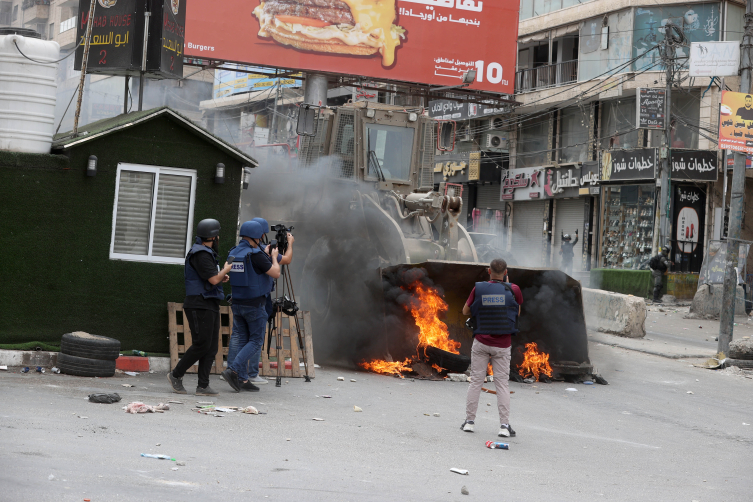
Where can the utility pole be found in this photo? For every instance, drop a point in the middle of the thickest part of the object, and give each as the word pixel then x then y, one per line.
pixel 737 195
pixel 84 62
pixel 669 56
pixel 273 135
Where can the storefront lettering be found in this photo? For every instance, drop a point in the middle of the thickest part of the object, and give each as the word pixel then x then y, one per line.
pixel 450 168
pixel 691 197
pixel 566 181
pixel 590 178
pixel 699 165
pixel 632 164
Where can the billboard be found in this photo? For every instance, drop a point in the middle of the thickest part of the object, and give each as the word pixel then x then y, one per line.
pixel 425 41
pixel 720 59
pixel 236 79
pixel 736 122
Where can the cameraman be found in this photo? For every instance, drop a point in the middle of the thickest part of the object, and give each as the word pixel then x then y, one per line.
pixel 495 305
pixel 251 277
pixel 234 345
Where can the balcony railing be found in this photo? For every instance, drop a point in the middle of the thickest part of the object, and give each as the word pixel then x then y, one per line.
pixel 543 77
pixel 68 24
pixel 28 4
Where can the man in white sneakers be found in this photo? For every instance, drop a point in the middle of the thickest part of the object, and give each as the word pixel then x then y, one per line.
pixel 495 307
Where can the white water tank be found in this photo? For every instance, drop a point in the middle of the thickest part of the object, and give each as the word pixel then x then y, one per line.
pixel 28 90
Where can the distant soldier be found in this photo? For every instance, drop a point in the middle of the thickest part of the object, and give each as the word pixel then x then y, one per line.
pixel 658 265
pixel 567 253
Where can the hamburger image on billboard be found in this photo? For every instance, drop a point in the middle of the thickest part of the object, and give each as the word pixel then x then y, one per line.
pixel 355 27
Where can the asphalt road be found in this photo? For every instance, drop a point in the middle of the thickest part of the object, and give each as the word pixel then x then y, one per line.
pixel 643 437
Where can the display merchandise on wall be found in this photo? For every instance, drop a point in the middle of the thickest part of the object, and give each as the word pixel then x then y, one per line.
pixel 628 226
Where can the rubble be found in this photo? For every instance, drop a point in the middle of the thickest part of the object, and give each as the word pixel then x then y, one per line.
pixel 137 407
pixel 741 349
pixel 457 377
pixel 104 398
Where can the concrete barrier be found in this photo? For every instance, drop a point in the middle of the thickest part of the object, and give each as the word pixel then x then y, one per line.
pixel 614 313
pixel 708 300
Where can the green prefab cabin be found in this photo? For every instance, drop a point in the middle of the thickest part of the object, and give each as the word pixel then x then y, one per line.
pixel 97 232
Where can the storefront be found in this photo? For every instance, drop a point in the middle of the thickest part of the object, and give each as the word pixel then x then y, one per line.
pixel 548 202
pixel 628 204
pixel 692 173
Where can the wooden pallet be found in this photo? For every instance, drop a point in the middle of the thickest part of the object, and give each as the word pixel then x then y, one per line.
pixel 178 328
pixel 291 348
pixel 177 349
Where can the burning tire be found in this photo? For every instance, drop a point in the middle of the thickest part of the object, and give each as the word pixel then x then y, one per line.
pixel 454 363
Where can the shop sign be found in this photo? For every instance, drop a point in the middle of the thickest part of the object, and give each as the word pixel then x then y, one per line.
pixel 695 165
pixel 714 263
pixel 736 122
pixel 651 105
pixel 542 183
pixel 452 167
pixel 445 109
pixel 590 177
pixel 628 165
pixel 709 59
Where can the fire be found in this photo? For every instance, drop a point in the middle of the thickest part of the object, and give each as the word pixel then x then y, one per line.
pixel 387 367
pixel 489 370
pixel 432 331
pixel 535 363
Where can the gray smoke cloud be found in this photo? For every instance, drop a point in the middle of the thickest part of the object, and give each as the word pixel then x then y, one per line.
pixel 335 269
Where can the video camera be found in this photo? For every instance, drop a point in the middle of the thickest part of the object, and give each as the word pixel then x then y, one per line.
pixel 281 238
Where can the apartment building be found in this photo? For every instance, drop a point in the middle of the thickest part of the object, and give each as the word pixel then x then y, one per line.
pixel 580 65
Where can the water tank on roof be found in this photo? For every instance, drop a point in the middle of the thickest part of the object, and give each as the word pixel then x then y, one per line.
pixel 28 90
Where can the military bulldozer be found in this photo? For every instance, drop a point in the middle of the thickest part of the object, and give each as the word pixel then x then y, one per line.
pixel 362 199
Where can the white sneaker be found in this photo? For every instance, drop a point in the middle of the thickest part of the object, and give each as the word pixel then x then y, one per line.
pixel 505 431
pixel 467 426
pixel 257 380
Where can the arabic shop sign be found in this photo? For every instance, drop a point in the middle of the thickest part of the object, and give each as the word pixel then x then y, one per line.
pixel 445 109
pixel 114 47
pixel 590 177
pixel 117 38
pixel 451 167
pixel 545 183
pixel 695 165
pixel 628 165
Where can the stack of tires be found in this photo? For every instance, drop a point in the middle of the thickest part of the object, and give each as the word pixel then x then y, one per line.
pixel 83 354
pixel 741 354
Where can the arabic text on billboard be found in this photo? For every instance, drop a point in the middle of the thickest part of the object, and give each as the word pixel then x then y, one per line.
pixel 426 41
pixel 736 122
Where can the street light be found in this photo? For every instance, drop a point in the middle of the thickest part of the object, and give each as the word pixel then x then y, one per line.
pixel 468 78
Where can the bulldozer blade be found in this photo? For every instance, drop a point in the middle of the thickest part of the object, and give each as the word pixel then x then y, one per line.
pixel 552 311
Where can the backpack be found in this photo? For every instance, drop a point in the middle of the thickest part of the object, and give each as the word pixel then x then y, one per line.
pixel 655 263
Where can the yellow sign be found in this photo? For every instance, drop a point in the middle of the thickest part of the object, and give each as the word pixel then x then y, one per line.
pixel 474 167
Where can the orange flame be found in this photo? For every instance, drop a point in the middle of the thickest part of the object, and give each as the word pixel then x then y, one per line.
pixel 489 370
pixel 432 331
pixel 387 367
pixel 535 363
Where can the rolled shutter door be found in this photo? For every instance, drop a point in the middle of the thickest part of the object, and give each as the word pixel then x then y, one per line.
pixel 527 236
pixel 569 217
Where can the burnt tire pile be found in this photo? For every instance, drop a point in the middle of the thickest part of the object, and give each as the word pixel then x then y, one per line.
pixel 741 354
pixel 87 355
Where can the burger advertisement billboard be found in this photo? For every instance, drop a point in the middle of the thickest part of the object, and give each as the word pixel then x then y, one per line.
pixel 424 41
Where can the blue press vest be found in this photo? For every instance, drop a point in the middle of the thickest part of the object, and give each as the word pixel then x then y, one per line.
pixel 195 285
pixel 246 283
pixel 495 309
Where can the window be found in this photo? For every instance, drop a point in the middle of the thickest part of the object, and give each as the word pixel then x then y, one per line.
pixel 618 124
pixel 15 12
pixel 51 31
pixel 393 147
pixel 5 12
pixel 152 214
pixel 533 143
pixel 574 127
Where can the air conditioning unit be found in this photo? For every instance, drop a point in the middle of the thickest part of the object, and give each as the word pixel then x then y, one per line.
pixel 495 123
pixel 495 141
pixel 464 133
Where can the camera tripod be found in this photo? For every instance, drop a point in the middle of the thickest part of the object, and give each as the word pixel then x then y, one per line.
pixel 284 303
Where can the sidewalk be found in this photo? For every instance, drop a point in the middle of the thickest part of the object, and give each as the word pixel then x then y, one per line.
pixel 669 334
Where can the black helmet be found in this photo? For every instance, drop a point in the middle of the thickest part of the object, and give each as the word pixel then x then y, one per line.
pixel 207 229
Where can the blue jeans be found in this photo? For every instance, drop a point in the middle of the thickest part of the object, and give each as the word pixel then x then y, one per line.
pixel 249 324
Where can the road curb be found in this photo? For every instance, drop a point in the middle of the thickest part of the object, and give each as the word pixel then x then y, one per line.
pixel 652 352
pixel 47 359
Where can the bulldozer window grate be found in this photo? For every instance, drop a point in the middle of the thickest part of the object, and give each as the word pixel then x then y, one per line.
pixel 345 140
pixel 427 156
pixel 312 147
